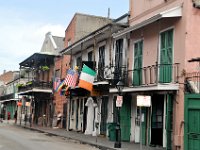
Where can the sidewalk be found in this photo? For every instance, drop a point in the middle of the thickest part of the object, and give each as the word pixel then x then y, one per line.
pixel 100 142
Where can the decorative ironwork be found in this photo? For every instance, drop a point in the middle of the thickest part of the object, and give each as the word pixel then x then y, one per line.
pixel 192 82
pixel 159 73
pixel 35 84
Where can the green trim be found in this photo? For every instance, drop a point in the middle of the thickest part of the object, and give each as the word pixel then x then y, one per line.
pixel 169 114
pixel 166 56
pixel 188 105
pixel 138 56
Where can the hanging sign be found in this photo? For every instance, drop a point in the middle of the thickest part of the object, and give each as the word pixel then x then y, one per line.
pixel 119 101
pixel 143 101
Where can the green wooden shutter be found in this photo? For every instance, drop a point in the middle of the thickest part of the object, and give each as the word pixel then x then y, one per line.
pixel 169 123
pixel 125 118
pixel 137 74
pixel 166 48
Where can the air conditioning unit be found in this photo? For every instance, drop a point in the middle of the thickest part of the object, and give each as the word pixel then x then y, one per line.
pixel 196 3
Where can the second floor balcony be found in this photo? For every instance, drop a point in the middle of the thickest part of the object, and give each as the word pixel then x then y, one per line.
pixel 35 86
pixel 154 77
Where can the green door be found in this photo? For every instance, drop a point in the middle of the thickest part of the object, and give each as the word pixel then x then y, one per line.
pixel 169 121
pixel 125 118
pixel 166 49
pixel 104 112
pixel 192 122
pixel 137 73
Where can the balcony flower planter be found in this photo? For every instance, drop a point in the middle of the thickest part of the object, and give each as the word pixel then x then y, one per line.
pixel 20 85
pixel 44 68
pixel 29 83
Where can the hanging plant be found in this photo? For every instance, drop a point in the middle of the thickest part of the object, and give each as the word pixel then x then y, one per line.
pixel 44 68
pixel 29 83
pixel 20 85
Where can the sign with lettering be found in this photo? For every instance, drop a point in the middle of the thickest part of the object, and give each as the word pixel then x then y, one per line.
pixel 119 101
pixel 143 101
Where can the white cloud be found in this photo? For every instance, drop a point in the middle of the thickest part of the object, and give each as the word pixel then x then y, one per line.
pixel 19 39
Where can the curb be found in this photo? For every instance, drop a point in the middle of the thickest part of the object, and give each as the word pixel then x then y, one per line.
pixel 78 140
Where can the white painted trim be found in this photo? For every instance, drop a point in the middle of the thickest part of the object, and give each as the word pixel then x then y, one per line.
pixel 90 49
pixel 173 12
pixel 102 43
pixel 159 87
pixel 101 83
pixel 37 90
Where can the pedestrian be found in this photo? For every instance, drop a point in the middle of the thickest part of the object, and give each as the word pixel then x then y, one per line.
pixel 8 116
pixel 15 116
pixel 59 116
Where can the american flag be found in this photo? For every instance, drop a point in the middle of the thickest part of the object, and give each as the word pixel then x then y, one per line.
pixel 71 78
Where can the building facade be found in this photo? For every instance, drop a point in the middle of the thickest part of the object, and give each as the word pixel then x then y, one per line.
pixel 162 40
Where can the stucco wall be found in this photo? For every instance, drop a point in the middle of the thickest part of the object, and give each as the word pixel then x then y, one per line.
pixel 192 36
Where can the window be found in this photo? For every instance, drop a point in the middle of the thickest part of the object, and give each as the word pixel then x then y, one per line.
pixel 90 56
pixel 119 53
pixel 137 74
pixel 69 42
pixel 166 55
pixel 78 62
pixel 57 73
pixel 101 63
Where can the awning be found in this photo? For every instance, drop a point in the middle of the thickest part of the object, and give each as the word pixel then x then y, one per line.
pixel 35 90
pixel 174 12
pixel 7 100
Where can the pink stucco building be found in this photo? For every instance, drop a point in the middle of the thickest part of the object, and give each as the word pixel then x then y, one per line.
pixel 163 36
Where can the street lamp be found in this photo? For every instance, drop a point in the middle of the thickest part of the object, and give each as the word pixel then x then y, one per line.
pixel 119 86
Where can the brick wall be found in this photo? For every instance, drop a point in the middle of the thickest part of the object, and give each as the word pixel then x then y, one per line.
pixel 60 64
pixel 7 77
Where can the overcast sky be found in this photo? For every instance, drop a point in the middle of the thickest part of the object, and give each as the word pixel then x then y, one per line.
pixel 24 23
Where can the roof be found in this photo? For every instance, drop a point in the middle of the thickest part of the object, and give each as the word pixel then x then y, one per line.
pixel 59 42
pixel 37 59
pixel 173 12
pixel 101 31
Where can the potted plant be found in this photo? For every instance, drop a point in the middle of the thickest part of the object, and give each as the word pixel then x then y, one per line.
pixel 44 68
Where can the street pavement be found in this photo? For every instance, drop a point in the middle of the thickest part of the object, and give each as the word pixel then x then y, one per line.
pixel 97 141
pixel 13 137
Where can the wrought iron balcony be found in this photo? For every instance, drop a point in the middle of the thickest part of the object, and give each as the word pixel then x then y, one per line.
pixel 35 84
pixel 152 75
pixel 192 82
pixel 111 74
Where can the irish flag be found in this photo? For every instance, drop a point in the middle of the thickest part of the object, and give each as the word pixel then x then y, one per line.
pixel 87 78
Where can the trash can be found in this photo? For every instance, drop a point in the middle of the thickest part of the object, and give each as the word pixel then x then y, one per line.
pixel 112 131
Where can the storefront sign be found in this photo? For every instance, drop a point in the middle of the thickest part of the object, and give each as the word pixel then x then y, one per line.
pixel 119 101
pixel 143 101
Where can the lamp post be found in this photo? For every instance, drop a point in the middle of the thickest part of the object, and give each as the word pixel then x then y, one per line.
pixel 119 86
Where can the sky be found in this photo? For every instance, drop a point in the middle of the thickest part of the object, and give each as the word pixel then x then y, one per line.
pixel 24 23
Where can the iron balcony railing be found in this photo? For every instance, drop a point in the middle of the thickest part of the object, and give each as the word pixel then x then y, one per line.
pixel 35 84
pixel 150 75
pixel 155 74
pixel 192 82
pixel 111 73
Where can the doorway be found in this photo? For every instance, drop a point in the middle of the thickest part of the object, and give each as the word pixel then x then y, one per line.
pixel 157 120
